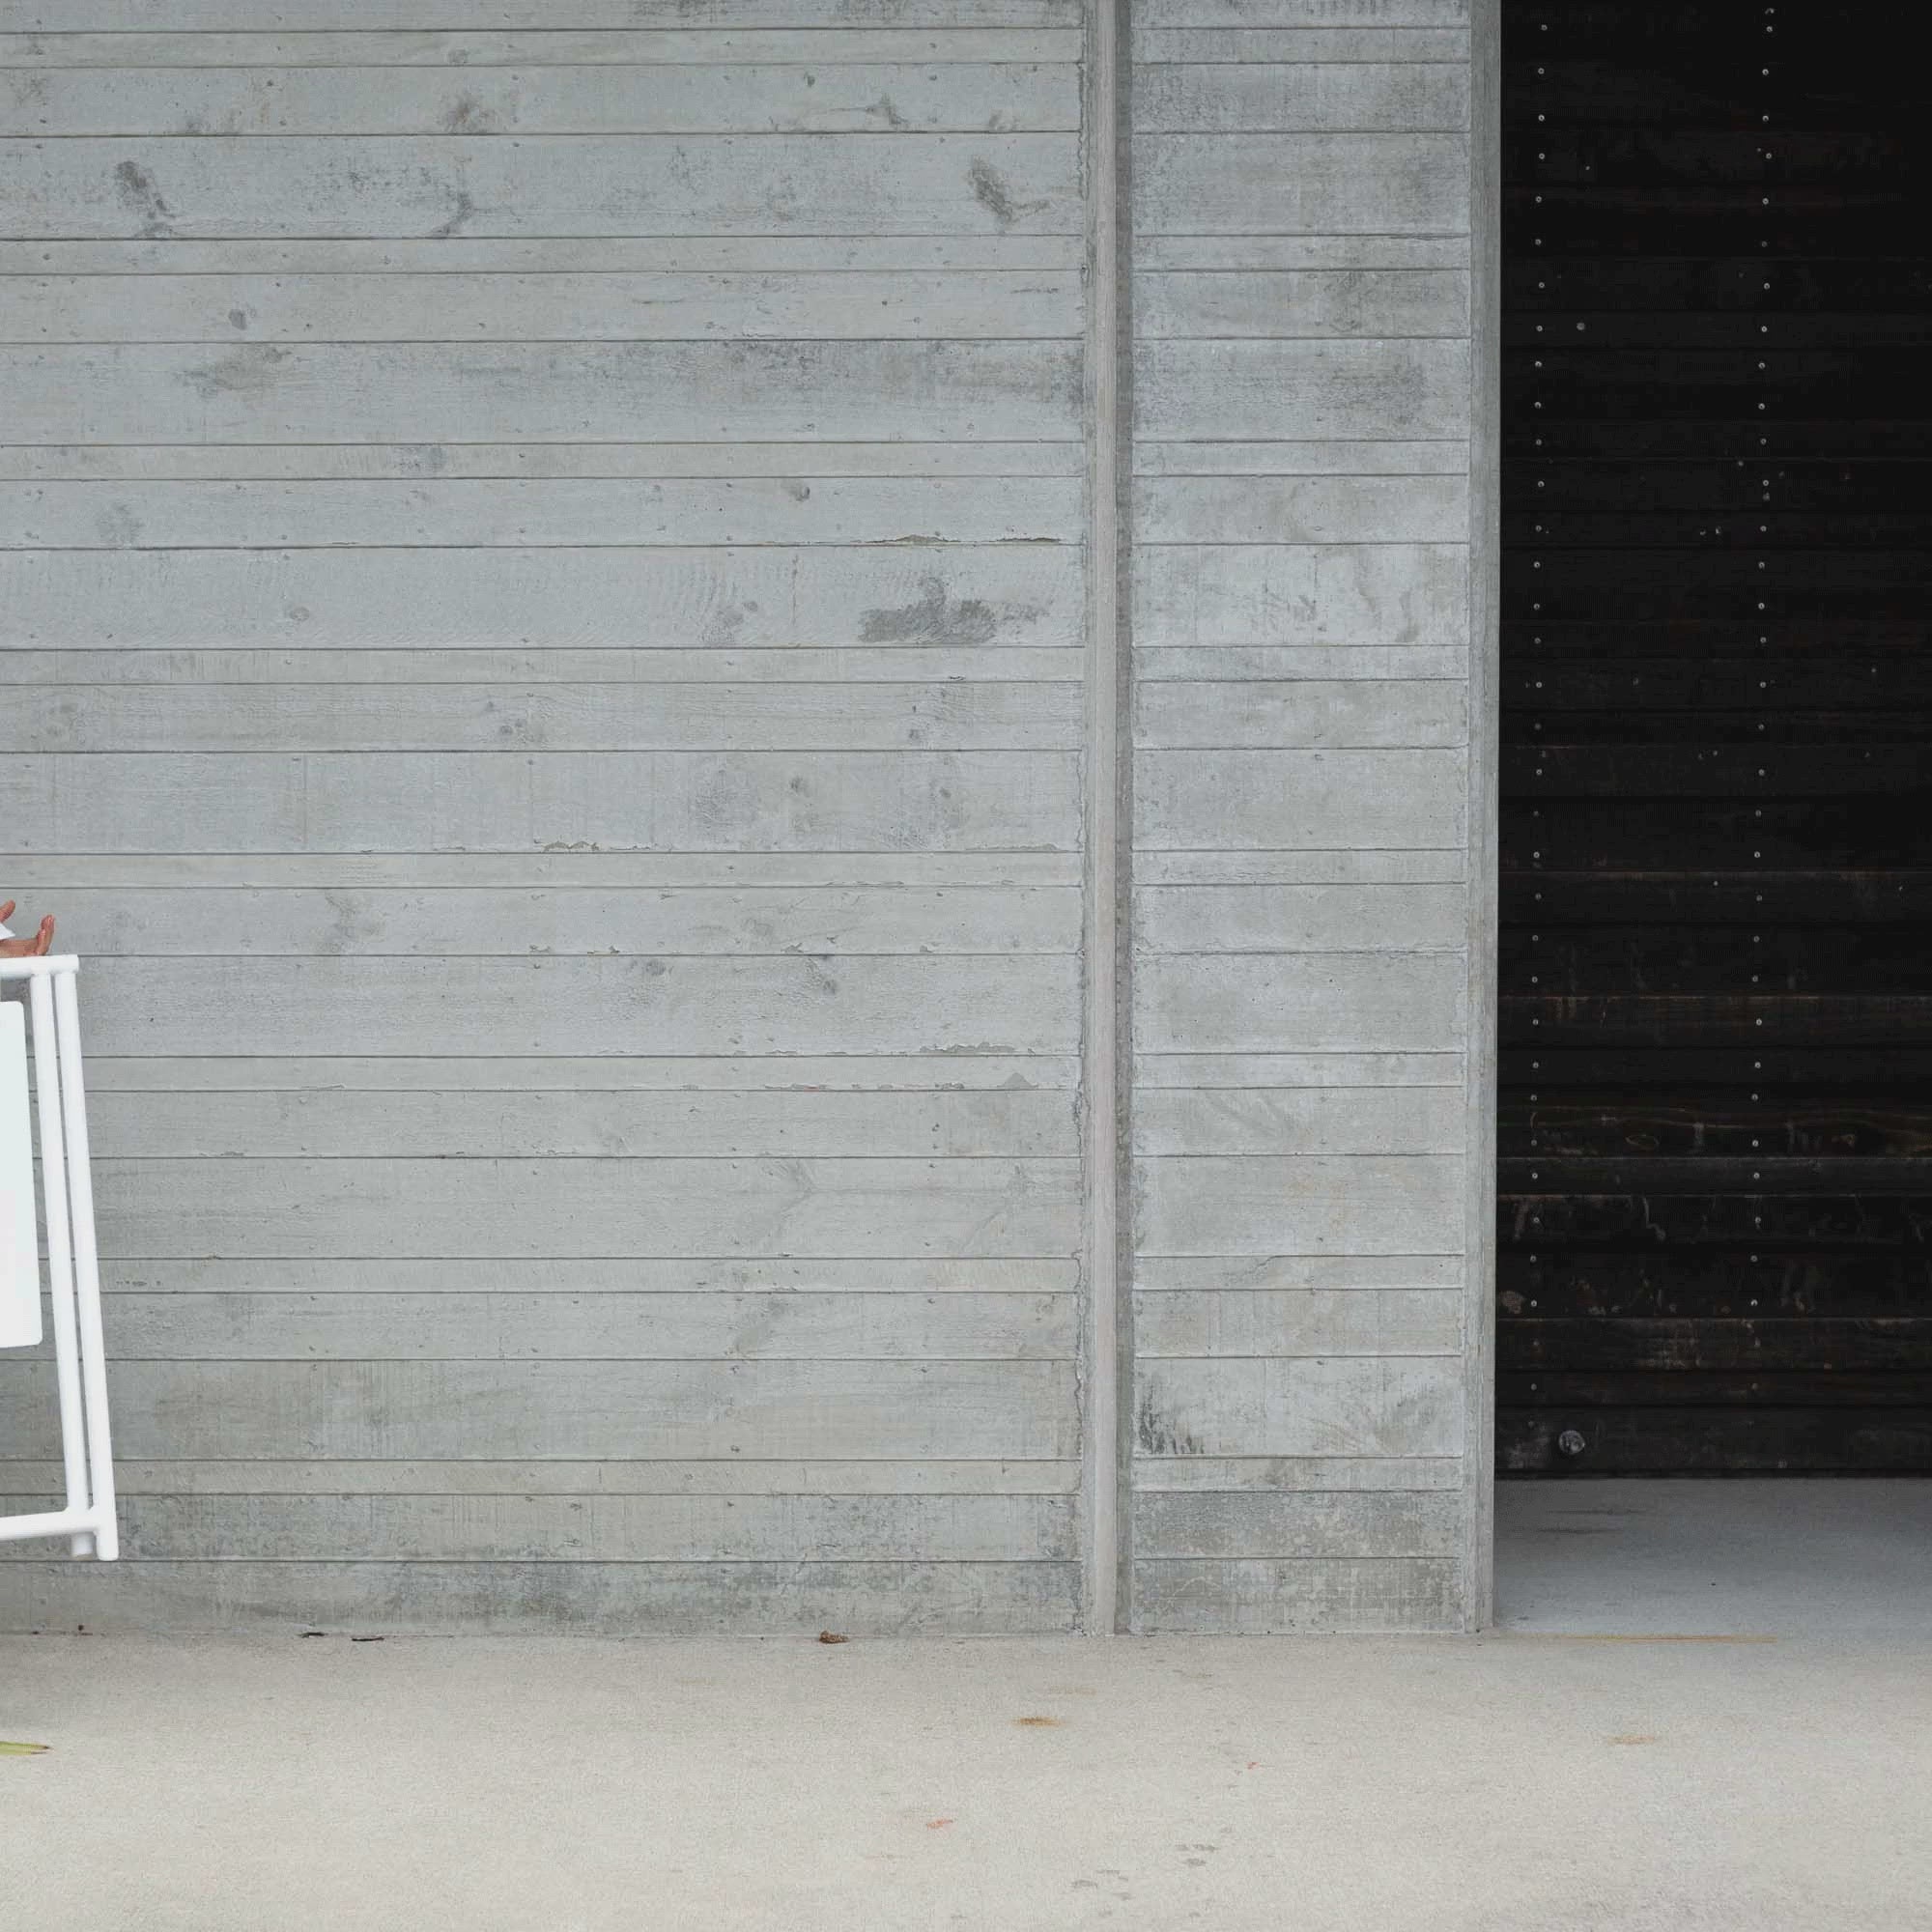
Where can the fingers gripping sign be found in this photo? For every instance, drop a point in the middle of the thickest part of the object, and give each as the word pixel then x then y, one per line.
pixel 11 948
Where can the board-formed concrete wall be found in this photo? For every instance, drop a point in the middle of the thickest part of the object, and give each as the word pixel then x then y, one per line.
pixel 552 678
pixel 1304 1449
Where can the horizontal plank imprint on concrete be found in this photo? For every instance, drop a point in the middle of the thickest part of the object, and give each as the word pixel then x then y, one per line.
pixel 1240 799
pixel 1314 183
pixel 1282 594
pixel 1301 1002
pixel 559 869
pixel 575 1410
pixel 730 804
pixel 1291 918
pixel 587 1599
pixel 1230 387
pixel 1298 1405
pixel 454 922
pixel 545 184
pixel 404 43
pixel 588 1529
pixel 1297 1321
pixel 704 596
pixel 1294 43
pixel 1270 1475
pixel 1300 97
pixel 1301 14
pixel 404 664
pixel 1383 304
pixel 576 1275
pixel 583 1073
pixel 1249 1526
pixel 517 16
pixel 1354 714
pixel 714 1325
pixel 443 305
pixel 242 462
pixel 1357 1595
pixel 567 255
pixel 576 512
pixel 1293 510
pixel 816 95
pixel 1300 1204
pixel 1298 1120
pixel 512 1124
pixel 685 1005
pixel 601 1207
pixel 559 1477
pixel 544 392
pixel 947 715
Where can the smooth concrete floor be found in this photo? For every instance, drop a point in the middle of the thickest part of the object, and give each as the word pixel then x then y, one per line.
pixel 1603 1782
pixel 1787 1555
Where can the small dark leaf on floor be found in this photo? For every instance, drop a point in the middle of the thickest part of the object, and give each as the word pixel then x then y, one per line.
pixel 832 1636
pixel 365 1639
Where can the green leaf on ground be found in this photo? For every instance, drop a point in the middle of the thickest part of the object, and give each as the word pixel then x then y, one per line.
pixel 8 1749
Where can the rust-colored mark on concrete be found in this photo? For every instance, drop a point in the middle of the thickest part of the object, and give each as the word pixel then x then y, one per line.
pixel 1039 1723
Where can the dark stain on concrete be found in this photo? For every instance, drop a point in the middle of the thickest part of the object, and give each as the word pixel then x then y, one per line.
pixel 240 371
pixel 468 115
pixel 119 525
pixel 1162 1434
pixel 992 193
pixel 935 619
pixel 144 200
pixel 463 210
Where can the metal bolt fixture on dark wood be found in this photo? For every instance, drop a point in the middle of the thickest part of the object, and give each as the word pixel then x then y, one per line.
pixel 1715 1134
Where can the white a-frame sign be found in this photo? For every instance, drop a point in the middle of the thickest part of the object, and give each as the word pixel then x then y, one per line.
pixel 65 1210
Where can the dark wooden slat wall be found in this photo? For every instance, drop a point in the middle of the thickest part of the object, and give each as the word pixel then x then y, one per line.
pixel 1716 1242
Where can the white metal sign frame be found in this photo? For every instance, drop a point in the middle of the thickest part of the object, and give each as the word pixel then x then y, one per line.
pixel 73 1265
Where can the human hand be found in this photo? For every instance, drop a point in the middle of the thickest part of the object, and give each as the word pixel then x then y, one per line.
pixel 25 949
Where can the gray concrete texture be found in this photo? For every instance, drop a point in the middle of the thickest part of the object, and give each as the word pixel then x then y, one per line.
pixel 1708 1707
pixel 1506 1783
pixel 1783 1556
pixel 566 693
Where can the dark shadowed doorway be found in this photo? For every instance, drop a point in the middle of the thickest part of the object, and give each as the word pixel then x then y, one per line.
pixel 1716 1026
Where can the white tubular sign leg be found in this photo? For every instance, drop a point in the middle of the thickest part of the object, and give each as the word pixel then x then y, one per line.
pixel 86 1272
pixel 60 1253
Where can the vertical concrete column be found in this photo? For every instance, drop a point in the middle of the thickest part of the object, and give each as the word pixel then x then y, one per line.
pixel 1310 1055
